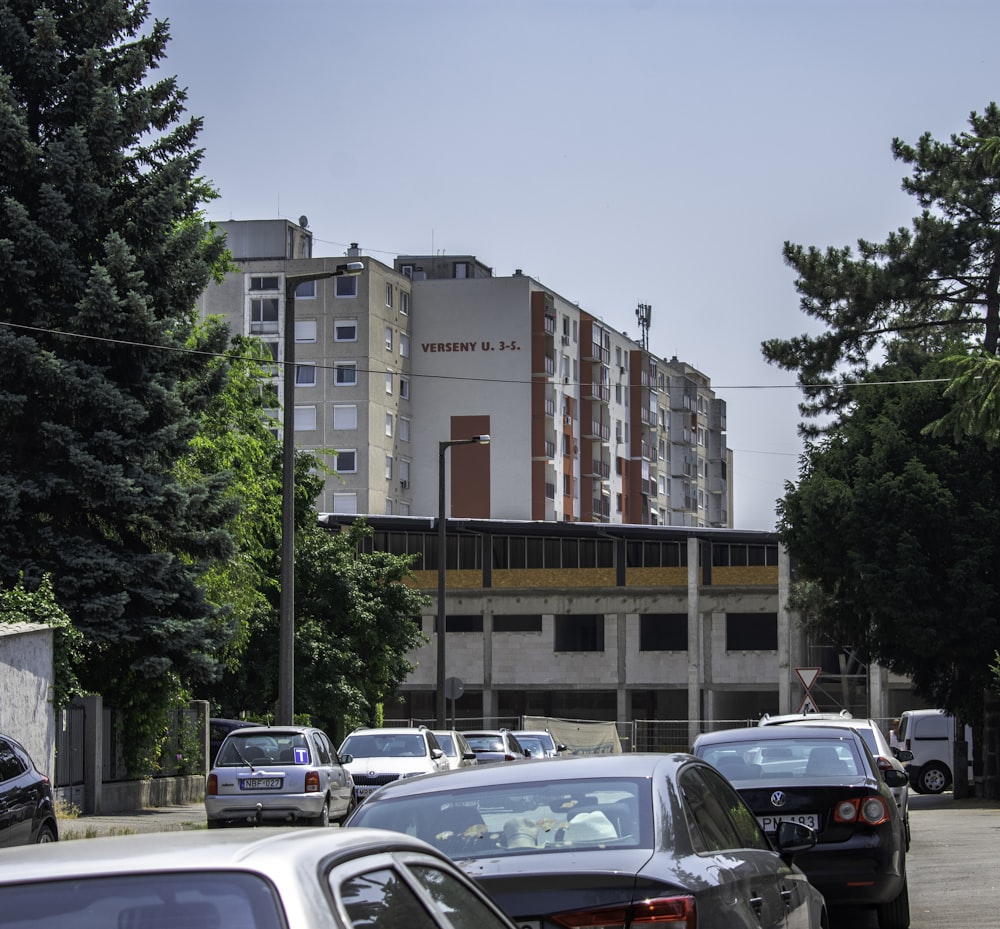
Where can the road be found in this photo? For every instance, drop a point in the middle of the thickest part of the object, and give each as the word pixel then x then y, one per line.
pixel 951 868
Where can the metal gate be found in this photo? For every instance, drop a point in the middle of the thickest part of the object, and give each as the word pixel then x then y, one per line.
pixel 70 732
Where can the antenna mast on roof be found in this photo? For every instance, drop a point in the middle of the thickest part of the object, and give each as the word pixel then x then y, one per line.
pixel 643 313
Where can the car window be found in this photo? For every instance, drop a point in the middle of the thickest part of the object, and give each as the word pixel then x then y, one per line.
pixel 460 905
pixel 447 744
pixel 747 828
pixel 432 741
pixel 381 899
pixel 201 900
pixel 322 748
pixel 11 765
pixel 486 743
pixel 712 829
pixel 384 745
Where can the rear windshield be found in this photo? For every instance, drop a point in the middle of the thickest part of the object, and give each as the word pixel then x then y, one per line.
pixel 202 900
pixel 771 758
pixel 521 818
pixel 273 747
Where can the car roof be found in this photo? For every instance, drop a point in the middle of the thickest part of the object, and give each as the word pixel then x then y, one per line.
pixel 775 733
pixel 768 720
pixel 572 766
pixel 390 730
pixel 197 849
pixel 258 729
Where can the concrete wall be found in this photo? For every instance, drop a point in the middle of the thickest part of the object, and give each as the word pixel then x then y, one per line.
pixel 26 679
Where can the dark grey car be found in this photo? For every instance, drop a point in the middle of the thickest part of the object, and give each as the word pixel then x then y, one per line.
pixel 608 840
pixel 27 811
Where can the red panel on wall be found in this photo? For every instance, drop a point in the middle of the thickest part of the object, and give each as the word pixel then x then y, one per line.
pixel 469 469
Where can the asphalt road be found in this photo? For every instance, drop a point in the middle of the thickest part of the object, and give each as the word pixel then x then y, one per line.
pixel 952 867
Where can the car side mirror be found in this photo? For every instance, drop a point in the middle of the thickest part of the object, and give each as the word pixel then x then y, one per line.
pixel 903 754
pixel 346 759
pixel 437 753
pixel 561 748
pixel 794 838
pixel 895 778
pixel 468 756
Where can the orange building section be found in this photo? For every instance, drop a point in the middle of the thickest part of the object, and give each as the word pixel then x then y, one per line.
pixel 469 469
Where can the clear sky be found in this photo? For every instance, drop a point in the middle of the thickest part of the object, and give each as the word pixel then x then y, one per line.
pixel 618 151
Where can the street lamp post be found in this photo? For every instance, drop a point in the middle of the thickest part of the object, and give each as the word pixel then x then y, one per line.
pixel 286 616
pixel 442 556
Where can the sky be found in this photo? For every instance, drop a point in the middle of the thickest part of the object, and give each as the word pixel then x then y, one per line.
pixel 617 151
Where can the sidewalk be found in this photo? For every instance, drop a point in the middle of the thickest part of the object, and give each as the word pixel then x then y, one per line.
pixel 126 822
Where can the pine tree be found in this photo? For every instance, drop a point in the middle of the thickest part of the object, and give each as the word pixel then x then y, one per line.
pixel 103 253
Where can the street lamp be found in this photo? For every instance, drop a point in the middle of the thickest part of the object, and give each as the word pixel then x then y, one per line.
pixel 442 555
pixel 286 616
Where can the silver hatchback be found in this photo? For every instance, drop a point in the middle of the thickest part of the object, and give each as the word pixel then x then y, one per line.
pixel 278 774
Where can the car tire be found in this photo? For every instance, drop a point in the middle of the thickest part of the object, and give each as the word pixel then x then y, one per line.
pixel 45 834
pixel 323 820
pixel 934 778
pixel 896 913
pixel 352 805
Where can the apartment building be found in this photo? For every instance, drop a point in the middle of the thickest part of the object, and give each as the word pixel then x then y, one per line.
pixel 586 424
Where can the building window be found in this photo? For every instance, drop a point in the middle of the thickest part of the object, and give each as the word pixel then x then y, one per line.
pixel 388 382
pixel 306 291
pixel 305 375
pixel 345 416
pixel 404 388
pixel 404 429
pixel 305 330
pixel 663 632
pixel 404 509
pixel 305 418
pixel 346 461
pixel 388 424
pixel 345 286
pixel 345 503
pixel 388 467
pixel 345 330
pixel 579 633
pixel 404 303
pixel 388 294
pixel 404 473
pixel 404 346
pixel 751 632
pixel 263 315
pixel 264 283
pixel 388 338
pixel 345 373
pixel 518 622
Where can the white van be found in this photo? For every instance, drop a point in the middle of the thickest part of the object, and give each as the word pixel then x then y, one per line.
pixel 930 735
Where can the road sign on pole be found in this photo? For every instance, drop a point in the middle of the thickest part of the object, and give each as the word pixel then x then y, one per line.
pixel 808 676
pixel 807 706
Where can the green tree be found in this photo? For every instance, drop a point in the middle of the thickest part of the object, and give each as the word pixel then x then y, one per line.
pixel 936 283
pixel 103 254
pixel 895 537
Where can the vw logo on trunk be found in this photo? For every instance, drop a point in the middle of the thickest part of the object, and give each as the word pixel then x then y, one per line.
pixel 778 798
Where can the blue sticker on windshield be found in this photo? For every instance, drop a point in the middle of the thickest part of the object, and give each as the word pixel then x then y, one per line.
pixel 302 756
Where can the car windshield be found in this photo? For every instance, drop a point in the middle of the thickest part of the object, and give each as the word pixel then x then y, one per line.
pixel 521 818
pixel 447 744
pixel 220 900
pixel 485 743
pixel 275 748
pixel 381 745
pixel 532 745
pixel 778 758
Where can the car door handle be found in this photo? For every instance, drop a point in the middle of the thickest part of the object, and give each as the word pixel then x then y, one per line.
pixel 757 902
pixel 786 898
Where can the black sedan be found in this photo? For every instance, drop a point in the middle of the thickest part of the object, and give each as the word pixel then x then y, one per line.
pixel 611 840
pixel 27 810
pixel 824 778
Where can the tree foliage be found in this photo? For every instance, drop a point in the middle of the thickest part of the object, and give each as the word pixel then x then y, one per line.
pixel 896 536
pixel 935 283
pixel 103 254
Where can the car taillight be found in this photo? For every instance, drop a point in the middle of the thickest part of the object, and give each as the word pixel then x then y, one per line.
pixel 212 785
pixel 871 811
pixel 677 912
pixel 884 764
pixel 509 757
pixel 312 782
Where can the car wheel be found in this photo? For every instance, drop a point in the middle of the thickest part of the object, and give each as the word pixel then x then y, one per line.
pixel 323 820
pixel 896 913
pixel 45 834
pixel 352 805
pixel 934 778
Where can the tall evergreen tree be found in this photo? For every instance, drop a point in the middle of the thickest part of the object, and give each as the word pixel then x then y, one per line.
pixel 103 253
pixel 934 283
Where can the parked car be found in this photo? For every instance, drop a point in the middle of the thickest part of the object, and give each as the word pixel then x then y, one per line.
pixel 493 745
pixel 241 879
pixel 607 840
pixel 539 738
pixel 276 774
pixel 218 729
pixel 458 752
pixel 824 777
pixel 381 756
pixel 27 808
pixel 869 730
pixel 930 736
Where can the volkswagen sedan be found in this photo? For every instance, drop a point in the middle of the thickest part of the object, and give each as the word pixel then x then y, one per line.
pixel 616 841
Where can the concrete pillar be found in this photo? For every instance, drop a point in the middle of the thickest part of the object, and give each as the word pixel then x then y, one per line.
pixel 695 630
pixel 93 751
